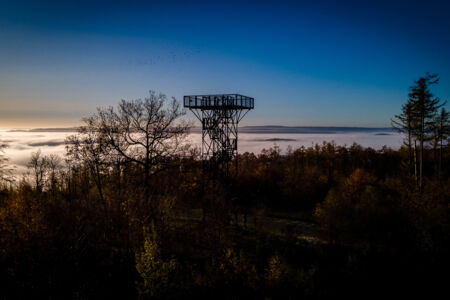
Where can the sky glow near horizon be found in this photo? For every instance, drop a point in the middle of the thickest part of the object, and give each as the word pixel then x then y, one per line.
pixel 305 62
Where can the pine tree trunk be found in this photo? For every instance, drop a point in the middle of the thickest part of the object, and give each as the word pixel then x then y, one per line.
pixel 422 137
pixel 435 156
pixel 411 158
pixel 440 160
pixel 415 162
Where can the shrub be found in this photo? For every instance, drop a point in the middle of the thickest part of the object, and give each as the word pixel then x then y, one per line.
pixel 156 273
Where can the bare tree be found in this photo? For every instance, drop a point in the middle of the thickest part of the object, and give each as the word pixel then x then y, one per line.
pixel 146 132
pixel 38 165
pixel 89 147
pixel 54 165
pixel 5 170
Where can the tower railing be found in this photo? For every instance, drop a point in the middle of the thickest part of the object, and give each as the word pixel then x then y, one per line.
pixel 235 101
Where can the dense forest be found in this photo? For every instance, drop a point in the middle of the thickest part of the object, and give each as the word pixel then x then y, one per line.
pixel 130 213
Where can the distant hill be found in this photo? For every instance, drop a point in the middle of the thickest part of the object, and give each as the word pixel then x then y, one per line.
pixel 306 129
pixel 257 129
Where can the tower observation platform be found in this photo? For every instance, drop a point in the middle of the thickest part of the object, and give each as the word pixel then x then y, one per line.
pixel 220 116
pixel 224 101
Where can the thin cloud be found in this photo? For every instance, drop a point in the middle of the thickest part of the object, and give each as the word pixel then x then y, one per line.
pixel 50 143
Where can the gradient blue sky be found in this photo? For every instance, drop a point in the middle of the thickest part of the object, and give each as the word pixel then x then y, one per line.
pixel 342 63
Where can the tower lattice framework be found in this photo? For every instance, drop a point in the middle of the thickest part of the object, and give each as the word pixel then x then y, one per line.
pixel 220 116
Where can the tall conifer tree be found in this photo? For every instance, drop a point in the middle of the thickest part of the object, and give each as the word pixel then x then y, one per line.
pixel 424 109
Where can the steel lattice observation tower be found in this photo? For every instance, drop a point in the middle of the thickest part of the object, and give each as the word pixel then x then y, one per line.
pixel 220 116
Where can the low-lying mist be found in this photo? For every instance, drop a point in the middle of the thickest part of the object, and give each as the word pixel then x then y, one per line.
pixel 21 143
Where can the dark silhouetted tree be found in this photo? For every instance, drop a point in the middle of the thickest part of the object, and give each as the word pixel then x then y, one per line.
pixel 89 147
pixel 441 132
pixel 405 123
pixel 5 170
pixel 148 133
pixel 424 109
pixel 38 166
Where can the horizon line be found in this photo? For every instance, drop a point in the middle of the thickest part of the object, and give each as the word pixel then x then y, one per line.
pixel 250 127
